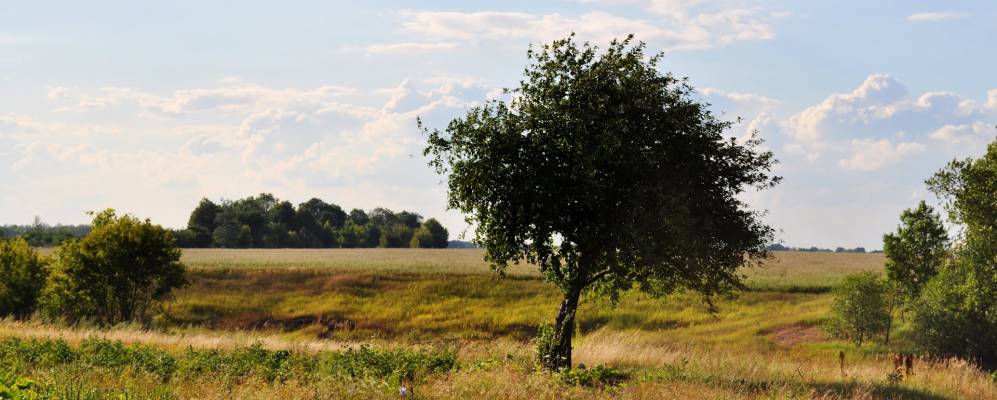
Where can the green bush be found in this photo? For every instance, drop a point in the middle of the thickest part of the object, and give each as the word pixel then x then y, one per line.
pixel 598 375
pixel 14 387
pixel 546 344
pixel 950 320
pixel 860 306
pixel 22 276
pixel 118 272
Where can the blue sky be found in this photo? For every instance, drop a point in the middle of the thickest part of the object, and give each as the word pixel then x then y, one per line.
pixel 149 107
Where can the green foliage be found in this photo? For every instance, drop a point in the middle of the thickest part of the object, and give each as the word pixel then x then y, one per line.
pixel 117 273
pixel 267 222
pixel 40 234
pixel 861 306
pixel 438 232
pixel 422 239
pixel 234 365
pixel 598 375
pixel 202 223
pixel 956 314
pixel 396 235
pixel 13 387
pixel 916 251
pixel 947 320
pixel 22 276
pixel 546 345
pixel 605 172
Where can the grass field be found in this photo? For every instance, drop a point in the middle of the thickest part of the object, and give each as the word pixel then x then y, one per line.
pixel 306 307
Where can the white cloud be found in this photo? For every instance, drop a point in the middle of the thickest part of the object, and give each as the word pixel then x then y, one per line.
pixel 992 100
pixel 57 92
pixel 935 16
pixel 401 48
pixel 871 100
pixel 673 31
pixel 876 109
pixel 870 154
pixel 977 133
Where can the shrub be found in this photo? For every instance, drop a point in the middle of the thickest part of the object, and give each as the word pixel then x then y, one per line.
pixel 949 320
pixel 860 306
pixel 598 375
pixel 117 273
pixel 22 276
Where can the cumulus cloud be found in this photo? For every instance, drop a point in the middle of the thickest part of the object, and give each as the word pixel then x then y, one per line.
pixel 222 141
pixel 879 108
pixel 935 16
pixel 977 133
pixel 677 25
pixel 871 154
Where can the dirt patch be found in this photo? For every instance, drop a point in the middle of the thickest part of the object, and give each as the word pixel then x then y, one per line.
pixel 792 335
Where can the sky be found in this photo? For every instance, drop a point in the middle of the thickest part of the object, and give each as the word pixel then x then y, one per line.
pixel 147 107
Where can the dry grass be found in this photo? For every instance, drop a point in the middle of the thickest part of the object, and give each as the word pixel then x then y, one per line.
pixel 762 344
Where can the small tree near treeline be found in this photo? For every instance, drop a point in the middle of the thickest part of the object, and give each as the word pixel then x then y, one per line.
pixel 861 307
pixel 956 314
pixel 117 273
pixel 916 251
pixel 608 175
pixel 22 275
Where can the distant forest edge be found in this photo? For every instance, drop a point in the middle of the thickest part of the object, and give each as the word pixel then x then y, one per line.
pixel 40 234
pixel 265 221
pixel 814 249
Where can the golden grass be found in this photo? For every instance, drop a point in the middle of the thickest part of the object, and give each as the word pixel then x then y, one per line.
pixel 764 343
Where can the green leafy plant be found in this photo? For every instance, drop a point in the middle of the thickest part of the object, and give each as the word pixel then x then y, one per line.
pixel 22 276
pixel 598 375
pixel 860 306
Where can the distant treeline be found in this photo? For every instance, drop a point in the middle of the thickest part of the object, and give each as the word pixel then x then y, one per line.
pixel 40 234
pixel 814 249
pixel 264 221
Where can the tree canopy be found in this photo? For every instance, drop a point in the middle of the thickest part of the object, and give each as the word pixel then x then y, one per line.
pixel 916 251
pixel 957 312
pixel 607 174
pixel 266 221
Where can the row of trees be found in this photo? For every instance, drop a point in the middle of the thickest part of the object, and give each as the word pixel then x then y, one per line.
pixel 265 221
pixel 947 287
pixel 120 271
pixel 815 249
pixel 40 234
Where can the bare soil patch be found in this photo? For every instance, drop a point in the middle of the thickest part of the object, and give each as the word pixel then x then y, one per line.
pixel 792 335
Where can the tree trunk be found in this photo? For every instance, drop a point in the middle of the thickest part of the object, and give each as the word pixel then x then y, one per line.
pixel 564 329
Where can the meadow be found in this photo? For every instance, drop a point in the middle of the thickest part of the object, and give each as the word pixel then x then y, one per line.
pixel 358 323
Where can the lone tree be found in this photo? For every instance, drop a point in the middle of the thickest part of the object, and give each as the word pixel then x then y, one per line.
pixel 607 174
pixel 861 308
pixel 916 251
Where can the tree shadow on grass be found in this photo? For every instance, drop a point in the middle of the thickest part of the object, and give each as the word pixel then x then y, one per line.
pixel 762 387
pixel 877 390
